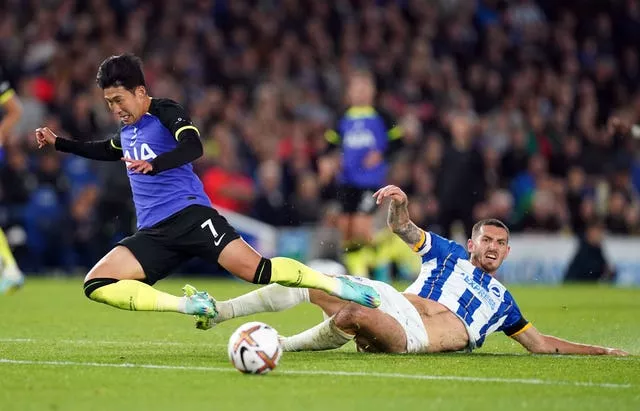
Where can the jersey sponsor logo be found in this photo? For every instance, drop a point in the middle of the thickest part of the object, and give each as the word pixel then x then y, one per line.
pixel 359 136
pixel 480 292
pixel 145 153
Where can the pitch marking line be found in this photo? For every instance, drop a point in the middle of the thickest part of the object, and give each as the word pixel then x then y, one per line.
pixel 325 372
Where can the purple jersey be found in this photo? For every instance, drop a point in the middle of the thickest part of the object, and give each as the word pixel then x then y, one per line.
pixel 159 196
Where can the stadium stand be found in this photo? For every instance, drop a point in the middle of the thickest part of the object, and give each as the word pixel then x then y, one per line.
pixel 506 108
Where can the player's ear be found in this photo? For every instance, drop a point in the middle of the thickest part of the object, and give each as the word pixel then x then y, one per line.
pixel 140 91
pixel 470 245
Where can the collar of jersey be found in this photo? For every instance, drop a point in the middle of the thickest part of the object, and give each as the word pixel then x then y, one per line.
pixel 361 111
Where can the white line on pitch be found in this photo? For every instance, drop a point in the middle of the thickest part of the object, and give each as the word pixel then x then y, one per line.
pixel 326 372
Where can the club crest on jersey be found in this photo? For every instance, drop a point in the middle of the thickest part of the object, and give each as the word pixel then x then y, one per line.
pixel 145 153
pixel 495 290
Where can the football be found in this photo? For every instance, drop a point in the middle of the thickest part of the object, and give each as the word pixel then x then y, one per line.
pixel 254 348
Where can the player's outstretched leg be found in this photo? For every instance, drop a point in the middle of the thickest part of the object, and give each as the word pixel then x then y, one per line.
pixel 324 336
pixel 116 281
pixel 272 298
pixel 373 330
pixel 12 278
pixel 244 262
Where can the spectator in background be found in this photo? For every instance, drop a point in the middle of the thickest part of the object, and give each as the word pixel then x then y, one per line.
pixel 49 173
pixel 500 206
pixel 17 181
pixel 227 186
pixel 84 227
pixel 525 185
pixel 462 178
pixel 544 216
pixel 589 263
pixel 576 192
pixel 616 220
pixel 306 200
pixel 270 205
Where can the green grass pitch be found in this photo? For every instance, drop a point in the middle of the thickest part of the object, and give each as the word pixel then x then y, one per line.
pixel 59 351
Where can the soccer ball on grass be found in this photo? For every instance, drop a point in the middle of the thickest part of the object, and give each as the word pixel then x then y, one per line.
pixel 254 348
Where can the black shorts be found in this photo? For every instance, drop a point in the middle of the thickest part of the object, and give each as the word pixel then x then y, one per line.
pixel 196 231
pixel 356 200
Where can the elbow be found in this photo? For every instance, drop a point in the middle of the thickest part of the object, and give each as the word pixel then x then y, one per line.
pixel 198 151
pixel 192 147
pixel 198 148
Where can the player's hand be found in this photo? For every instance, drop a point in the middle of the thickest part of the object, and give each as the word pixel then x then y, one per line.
pixel 394 193
pixel 45 136
pixel 138 166
pixel 615 351
pixel 372 159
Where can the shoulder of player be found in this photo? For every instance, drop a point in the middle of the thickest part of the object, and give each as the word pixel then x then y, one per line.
pixel 384 114
pixel 162 105
pixel 171 114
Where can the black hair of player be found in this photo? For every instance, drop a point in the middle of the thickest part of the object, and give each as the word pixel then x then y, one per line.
pixel 489 221
pixel 124 70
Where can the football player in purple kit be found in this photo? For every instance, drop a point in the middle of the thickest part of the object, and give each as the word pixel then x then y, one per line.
pixel 175 219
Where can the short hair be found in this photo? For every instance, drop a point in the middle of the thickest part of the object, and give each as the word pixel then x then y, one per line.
pixel 489 221
pixel 124 70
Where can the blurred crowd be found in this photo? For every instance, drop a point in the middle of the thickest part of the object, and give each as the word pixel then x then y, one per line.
pixel 505 105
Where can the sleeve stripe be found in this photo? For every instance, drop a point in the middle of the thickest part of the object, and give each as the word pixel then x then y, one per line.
pixel 332 137
pixel 523 329
pixel 114 145
pixel 395 133
pixel 420 244
pixel 183 128
pixel 6 96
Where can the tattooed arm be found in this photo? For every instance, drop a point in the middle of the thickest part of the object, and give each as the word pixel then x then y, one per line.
pixel 398 217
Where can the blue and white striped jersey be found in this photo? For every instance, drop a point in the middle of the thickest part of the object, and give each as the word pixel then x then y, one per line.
pixel 482 303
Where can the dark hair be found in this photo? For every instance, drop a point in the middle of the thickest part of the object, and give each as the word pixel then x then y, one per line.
pixel 488 221
pixel 124 70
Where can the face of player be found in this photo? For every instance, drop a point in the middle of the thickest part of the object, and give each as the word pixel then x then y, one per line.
pixel 361 91
pixel 489 248
pixel 127 105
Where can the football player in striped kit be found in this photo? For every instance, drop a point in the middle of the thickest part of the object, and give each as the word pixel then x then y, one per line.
pixel 453 305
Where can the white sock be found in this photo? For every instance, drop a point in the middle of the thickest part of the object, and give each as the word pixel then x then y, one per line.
pixel 324 336
pixel 12 272
pixel 273 297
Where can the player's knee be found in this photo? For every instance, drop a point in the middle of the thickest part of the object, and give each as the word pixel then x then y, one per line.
pixel 350 318
pixel 92 284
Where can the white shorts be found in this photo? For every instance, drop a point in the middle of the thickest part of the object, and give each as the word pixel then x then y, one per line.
pixel 397 306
